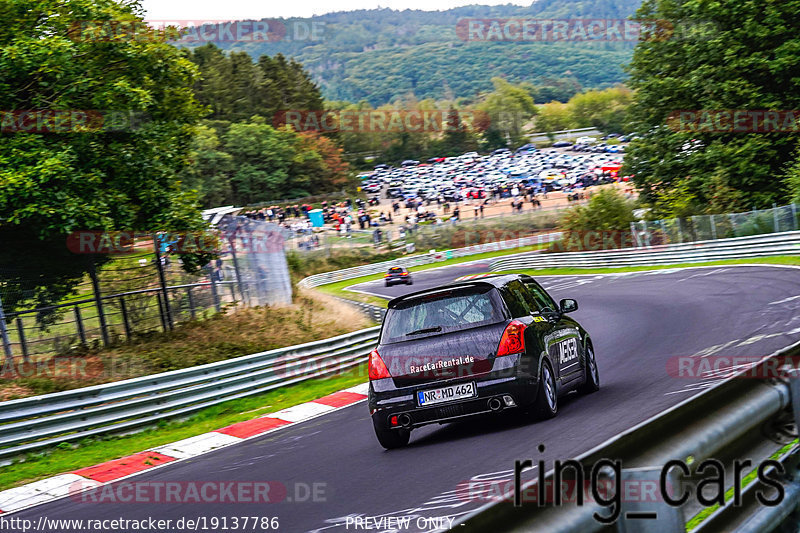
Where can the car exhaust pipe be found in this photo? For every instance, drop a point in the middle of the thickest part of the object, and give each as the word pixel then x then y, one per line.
pixel 404 420
pixel 495 405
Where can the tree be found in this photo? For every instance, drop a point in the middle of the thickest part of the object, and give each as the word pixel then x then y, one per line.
pixel 329 171
pixel 605 110
pixel 234 88
pixel 724 55
pixel 209 168
pixel 606 218
pixel 554 116
pixel 268 163
pixel 261 158
pixel 510 108
pixel 459 137
pixel 109 176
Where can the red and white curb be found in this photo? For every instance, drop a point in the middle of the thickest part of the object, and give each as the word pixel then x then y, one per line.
pixel 474 276
pixel 63 485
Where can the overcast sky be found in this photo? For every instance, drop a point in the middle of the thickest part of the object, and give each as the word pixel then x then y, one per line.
pixel 255 9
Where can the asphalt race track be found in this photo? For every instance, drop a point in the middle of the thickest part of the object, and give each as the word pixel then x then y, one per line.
pixel 638 321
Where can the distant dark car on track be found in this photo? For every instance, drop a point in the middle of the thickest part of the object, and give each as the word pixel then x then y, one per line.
pixel 472 348
pixel 397 275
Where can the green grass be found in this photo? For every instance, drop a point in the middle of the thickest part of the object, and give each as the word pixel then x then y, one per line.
pixel 777 260
pixel 708 511
pixel 66 458
pixel 338 288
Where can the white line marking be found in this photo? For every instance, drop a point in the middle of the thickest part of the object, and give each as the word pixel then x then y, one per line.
pixel 41 491
pixel 197 445
pixel 301 412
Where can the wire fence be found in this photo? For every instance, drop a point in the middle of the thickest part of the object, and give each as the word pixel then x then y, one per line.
pixel 149 291
pixel 712 227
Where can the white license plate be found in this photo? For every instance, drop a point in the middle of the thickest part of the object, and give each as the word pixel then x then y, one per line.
pixel 446 394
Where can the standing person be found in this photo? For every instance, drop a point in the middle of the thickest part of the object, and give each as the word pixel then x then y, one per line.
pixel 456 213
pixel 477 209
pixel 481 208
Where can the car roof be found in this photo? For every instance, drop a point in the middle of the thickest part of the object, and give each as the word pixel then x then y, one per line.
pixel 494 280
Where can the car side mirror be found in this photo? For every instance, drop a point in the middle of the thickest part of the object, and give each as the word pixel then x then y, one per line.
pixel 568 305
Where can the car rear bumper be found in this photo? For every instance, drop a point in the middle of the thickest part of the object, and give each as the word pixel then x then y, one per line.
pixel 494 395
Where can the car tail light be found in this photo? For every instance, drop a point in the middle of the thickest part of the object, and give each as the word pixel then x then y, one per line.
pixel 404 274
pixel 513 339
pixel 377 368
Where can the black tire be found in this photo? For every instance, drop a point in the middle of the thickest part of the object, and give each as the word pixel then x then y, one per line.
pixel 411 282
pixel 546 404
pixel 391 438
pixel 592 383
pixel 388 284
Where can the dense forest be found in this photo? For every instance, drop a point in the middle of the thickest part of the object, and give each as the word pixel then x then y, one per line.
pixel 380 55
pixel 237 154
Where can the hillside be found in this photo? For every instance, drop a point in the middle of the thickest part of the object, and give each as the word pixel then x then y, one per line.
pixel 381 54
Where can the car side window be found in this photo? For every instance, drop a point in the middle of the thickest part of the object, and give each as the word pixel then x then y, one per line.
pixel 544 303
pixel 517 299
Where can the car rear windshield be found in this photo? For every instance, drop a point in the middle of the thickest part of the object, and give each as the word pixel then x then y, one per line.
pixel 395 270
pixel 442 312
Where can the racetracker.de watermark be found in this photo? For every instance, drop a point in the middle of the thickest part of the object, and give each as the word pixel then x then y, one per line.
pixel 181 242
pixel 46 121
pixel 563 30
pixel 735 121
pixel 739 366
pixel 210 492
pixel 198 31
pixel 381 120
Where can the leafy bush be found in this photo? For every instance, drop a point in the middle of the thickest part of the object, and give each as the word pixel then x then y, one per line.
pixel 603 223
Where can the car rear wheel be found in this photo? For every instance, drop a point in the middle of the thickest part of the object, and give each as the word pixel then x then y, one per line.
pixel 391 438
pixel 546 404
pixel 410 282
pixel 592 383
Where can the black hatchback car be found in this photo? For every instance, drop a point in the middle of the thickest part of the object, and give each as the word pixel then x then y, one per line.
pixel 397 275
pixel 473 348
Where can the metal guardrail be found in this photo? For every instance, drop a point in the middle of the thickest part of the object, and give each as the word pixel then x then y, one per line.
pixel 563 134
pixel 373 312
pixel 38 422
pixel 742 417
pixel 787 243
pixel 423 259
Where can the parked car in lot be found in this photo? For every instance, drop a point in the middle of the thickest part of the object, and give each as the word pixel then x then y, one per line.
pixel 475 348
pixel 455 178
pixel 397 275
